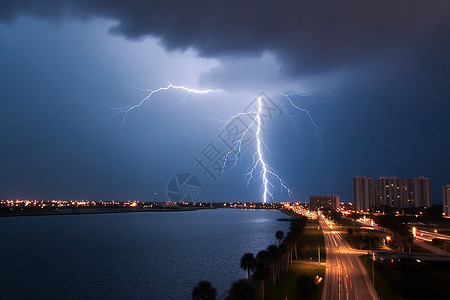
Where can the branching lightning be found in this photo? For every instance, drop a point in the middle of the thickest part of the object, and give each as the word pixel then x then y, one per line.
pixel 304 110
pixel 259 165
pixel 126 109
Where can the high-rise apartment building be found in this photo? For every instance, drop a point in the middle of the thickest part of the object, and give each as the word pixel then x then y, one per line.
pixel 446 200
pixel 361 193
pixel 391 192
pixel 324 201
pixel 422 192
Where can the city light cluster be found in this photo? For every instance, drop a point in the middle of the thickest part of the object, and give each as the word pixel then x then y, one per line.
pixel 300 209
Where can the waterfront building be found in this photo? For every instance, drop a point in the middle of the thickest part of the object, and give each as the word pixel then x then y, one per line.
pixel 323 201
pixel 446 200
pixel 391 192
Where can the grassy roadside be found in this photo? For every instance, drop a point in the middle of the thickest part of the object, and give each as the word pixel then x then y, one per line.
pixel 344 226
pixel 409 279
pixel 346 223
pixel 359 238
pixel 286 285
pixel 306 265
pixel 308 246
pixel 381 285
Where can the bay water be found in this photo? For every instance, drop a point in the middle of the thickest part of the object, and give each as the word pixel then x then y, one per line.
pixel 146 255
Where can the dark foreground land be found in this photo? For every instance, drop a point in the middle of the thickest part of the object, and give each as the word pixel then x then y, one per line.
pixel 298 282
pixel 410 279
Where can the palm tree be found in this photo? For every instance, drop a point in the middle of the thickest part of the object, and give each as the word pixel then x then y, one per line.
pixel 262 269
pixel 280 236
pixel 248 263
pixel 405 237
pixel 204 290
pixel 241 290
pixel 296 230
pixel 273 258
pixel 283 257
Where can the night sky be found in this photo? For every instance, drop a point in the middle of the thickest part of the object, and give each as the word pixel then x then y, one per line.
pixel 376 75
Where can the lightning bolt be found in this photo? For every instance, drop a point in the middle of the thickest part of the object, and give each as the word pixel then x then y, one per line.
pixel 126 109
pixel 304 110
pixel 259 165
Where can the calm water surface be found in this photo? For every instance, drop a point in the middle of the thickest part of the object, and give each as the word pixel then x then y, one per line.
pixel 154 255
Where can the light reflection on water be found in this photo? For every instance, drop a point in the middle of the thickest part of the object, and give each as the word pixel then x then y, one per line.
pixel 135 255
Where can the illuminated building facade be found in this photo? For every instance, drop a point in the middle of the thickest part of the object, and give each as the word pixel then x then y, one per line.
pixel 391 192
pixel 446 200
pixel 324 201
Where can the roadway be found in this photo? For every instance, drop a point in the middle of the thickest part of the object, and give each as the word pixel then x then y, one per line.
pixel 345 276
pixel 429 236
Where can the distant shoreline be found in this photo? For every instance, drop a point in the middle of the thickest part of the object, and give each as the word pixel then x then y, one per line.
pixel 153 207
pixel 89 211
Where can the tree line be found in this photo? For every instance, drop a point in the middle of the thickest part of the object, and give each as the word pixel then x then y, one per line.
pixel 263 268
pixel 398 226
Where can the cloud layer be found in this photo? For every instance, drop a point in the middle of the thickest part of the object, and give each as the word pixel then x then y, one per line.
pixel 306 36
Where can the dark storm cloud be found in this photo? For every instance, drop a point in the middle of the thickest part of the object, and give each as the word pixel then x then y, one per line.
pixel 306 36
